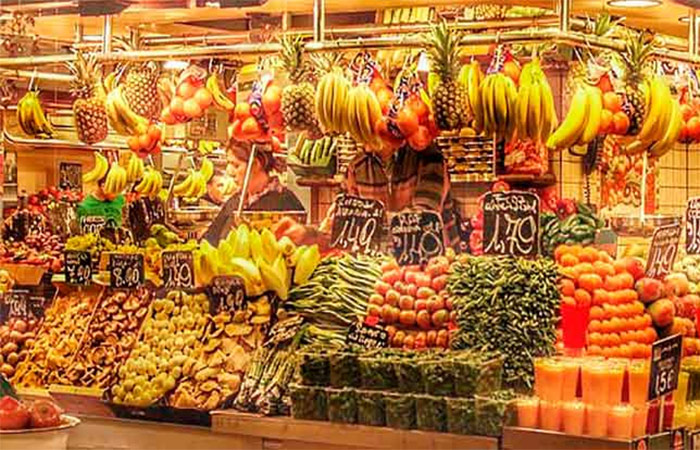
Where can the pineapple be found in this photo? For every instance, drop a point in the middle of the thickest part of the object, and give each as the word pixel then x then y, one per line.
pixel 578 72
pixel 297 107
pixel 141 90
pixel 89 109
pixel 636 58
pixel 449 97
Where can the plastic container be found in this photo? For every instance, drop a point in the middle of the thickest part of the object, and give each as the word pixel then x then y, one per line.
pixel 344 369
pixel 528 411
pixel 431 413
pixel 308 402
pixel 493 412
pixel 638 382
pixel 569 387
pixel 573 417
pixel 370 408
pixel 639 421
pixel 595 381
pixel 549 379
pixel 408 375
pixel 597 420
pixel 53 438
pixel 550 415
pixel 342 405
pixel 490 375
pixel 438 377
pixel 400 411
pixel 616 378
pixel 461 415
pixel 466 376
pixel 314 368
pixel 621 422
pixel 377 373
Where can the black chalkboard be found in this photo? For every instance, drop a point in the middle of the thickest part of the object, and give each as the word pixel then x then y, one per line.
pixel 227 294
pixel 357 224
pixel 366 336
pixel 416 237
pixel 70 176
pixel 511 223
pixel 662 253
pixel 77 267
pixel 665 366
pixel 126 270
pixel 15 304
pixel 178 270
pixel 692 226
pixel 284 330
pixel 92 224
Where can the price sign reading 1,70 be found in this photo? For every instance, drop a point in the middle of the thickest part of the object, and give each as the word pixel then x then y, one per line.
pixel 357 224
pixel 511 223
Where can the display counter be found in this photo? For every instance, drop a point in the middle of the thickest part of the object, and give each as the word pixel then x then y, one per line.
pixel 522 438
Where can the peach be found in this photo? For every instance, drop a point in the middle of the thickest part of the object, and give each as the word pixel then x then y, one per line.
pixel 649 289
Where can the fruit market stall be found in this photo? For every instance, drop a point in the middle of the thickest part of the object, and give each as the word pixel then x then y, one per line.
pixel 307 224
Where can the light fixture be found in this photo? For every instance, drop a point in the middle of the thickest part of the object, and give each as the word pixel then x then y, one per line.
pixel 684 19
pixel 633 3
pixel 174 64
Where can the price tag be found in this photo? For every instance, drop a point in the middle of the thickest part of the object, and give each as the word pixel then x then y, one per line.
pixel 606 240
pixel 662 253
pixel 511 223
pixel 357 224
pixel 367 336
pixel 416 237
pixel 227 294
pixel 15 304
pixel 692 226
pixel 284 330
pixel 77 267
pixel 665 366
pixel 70 176
pixel 92 224
pixel 178 270
pixel 126 270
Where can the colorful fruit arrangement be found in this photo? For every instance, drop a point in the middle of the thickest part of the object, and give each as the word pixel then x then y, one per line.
pixel 16 414
pixel 31 117
pixel 413 304
pixel 690 113
pixel 259 118
pixel 16 336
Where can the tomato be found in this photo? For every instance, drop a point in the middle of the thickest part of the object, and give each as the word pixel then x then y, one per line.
pixel 620 123
pixel 407 121
pixel 423 319
pixel 14 415
pixel 424 293
pixel 391 277
pixel 439 283
pixel 391 264
pixel 382 287
pixel 423 280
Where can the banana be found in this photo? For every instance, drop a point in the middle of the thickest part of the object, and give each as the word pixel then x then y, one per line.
pixel 534 124
pixel 145 186
pixel 474 93
pixel 573 125
pixel 207 169
pixel 220 98
pixel 195 186
pixel 595 102
pixel 98 171
pixel 523 110
pixel 329 100
pixel 350 118
pixel 116 179
pixel 134 168
pixel 549 113
pixel 669 139
pixel 340 97
pixel 487 98
pixel 319 102
pixel 31 117
pixel 121 117
pixel 185 185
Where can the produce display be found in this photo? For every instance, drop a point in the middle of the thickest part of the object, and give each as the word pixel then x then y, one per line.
pixel 572 227
pixel 16 336
pixel 17 414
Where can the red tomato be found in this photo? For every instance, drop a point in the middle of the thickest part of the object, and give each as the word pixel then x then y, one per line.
pixel 439 283
pixel 14 415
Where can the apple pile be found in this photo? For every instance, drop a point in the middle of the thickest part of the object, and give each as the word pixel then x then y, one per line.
pixel 413 304
pixel 191 97
pixel 147 143
pixel 18 415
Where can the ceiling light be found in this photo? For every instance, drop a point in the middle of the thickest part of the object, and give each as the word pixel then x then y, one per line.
pixel 633 3
pixel 174 64
pixel 684 19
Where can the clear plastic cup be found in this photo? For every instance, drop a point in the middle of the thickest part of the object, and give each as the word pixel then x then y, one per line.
pixel 550 415
pixel 573 416
pixel 528 411
pixel 621 421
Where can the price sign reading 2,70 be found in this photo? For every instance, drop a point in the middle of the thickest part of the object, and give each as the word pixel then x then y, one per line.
pixel 511 223
pixel 357 224
pixel 178 270
pixel 416 237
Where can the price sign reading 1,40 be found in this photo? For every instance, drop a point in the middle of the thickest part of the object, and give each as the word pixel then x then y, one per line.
pixel 511 223
pixel 416 237
pixel 126 270
pixel 692 226
pixel 78 267
pixel 662 253
pixel 357 224
pixel 665 366
pixel 178 270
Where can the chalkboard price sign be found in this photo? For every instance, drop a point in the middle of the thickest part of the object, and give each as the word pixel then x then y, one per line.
pixel 416 237
pixel 511 223
pixel 126 270
pixel 77 267
pixel 70 176
pixel 367 336
pixel 357 224
pixel 227 293
pixel 662 253
pixel 284 330
pixel 665 366
pixel 178 270
pixel 92 224
pixel 692 226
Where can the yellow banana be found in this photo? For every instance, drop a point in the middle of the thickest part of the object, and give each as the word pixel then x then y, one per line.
pixel 270 249
pixel 98 171
pixel 256 249
pixel 595 102
pixel 207 169
pixel 220 98
pixel 306 264
pixel 573 125
pixel 669 139
pixel 273 280
pixel 241 246
pixel 474 93
pixel 185 185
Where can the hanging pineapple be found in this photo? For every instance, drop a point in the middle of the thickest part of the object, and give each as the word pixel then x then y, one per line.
pixel 89 109
pixel 298 108
pixel 449 97
pixel 141 90
pixel 636 60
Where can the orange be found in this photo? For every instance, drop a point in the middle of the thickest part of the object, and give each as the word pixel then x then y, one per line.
pixel 582 297
pixel 594 325
pixel 608 352
pixel 647 320
pixel 613 297
pixel 638 307
pixel 605 257
pixel 561 251
pixel 567 287
pixel 568 260
pixel 629 295
pixel 594 350
pixel 595 339
pixel 576 249
pixel 614 339
pixel 625 351
pixel 650 335
pixel 569 301
pixel 584 267
pixel 589 281
pixel 620 266
pixel 569 272
pixel 603 269
pixel 600 296
pixel 588 254
pixel 611 284
pixel 616 324
pixel 596 313
pixel 639 322
pixel 626 280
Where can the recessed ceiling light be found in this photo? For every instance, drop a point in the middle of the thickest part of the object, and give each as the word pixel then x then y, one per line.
pixel 633 3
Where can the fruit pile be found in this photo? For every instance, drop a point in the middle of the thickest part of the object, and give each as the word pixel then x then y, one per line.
pixel 413 304
pixel 109 338
pixel 165 353
pixel 689 265
pixel 31 117
pixel 228 346
pixel 259 118
pixel 613 119
pixel 189 97
pixel 19 415
pixel 37 249
pixel 314 153
pixel 194 186
pixel 574 223
pixel 16 336
pixel 619 325
pixel 690 112
pixel 65 323
pixel 147 143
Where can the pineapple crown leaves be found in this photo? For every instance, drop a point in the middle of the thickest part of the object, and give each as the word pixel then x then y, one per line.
pixel 292 58
pixel 443 50
pixel 639 47
pixel 86 72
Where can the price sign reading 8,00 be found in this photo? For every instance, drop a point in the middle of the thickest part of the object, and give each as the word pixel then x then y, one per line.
pixel 178 270
pixel 511 223
pixel 357 224
pixel 126 270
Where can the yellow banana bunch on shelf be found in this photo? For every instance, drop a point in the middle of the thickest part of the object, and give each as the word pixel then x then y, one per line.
pixel 194 186
pixel 151 183
pixel 471 76
pixel 536 115
pixel 499 97
pixel 116 180
pixel 331 101
pixel 220 98
pixel 98 171
pixel 134 168
pixel 121 117
pixel 31 117
pixel 582 122
pixel 363 113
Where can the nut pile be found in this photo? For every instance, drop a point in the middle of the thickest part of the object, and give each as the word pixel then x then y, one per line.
pixel 15 337
pixel 65 322
pixel 170 336
pixel 110 337
pixel 219 365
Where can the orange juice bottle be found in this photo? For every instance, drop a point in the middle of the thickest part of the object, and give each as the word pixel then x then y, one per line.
pixel 528 410
pixel 571 368
pixel 620 421
pixel 573 417
pixel 639 421
pixel 638 377
pixel 597 420
pixel 550 415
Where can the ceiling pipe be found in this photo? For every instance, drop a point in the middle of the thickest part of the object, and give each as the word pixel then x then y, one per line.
pixel 564 15
pixel 107 34
pixel 41 76
pixel 693 32
pixel 319 20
